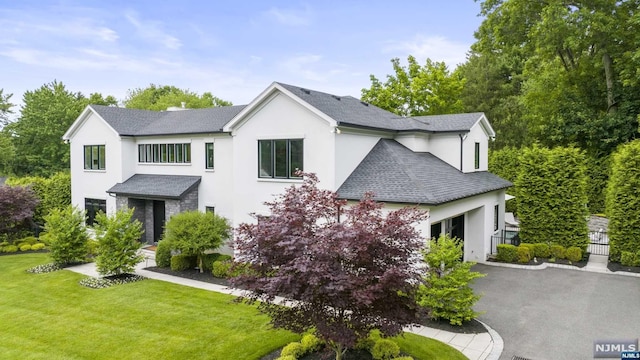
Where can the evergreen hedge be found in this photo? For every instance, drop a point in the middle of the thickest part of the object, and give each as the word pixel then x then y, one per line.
pixel 623 201
pixel 552 196
pixel 505 163
pixel 53 192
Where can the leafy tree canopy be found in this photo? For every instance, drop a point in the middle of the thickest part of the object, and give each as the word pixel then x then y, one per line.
pixel 417 90
pixel 351 269
pixel 17 205
pixel 5 108
pixel 156 97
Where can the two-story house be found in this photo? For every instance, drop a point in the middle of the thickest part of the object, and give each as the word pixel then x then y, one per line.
pixel 232 159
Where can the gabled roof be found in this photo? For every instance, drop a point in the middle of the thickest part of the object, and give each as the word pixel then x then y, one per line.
pixel 394 173
pixel 156 186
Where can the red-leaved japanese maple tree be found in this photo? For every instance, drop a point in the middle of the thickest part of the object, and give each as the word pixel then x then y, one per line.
pixel 348 268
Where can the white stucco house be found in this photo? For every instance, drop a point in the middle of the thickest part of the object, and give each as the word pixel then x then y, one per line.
pixel 232 159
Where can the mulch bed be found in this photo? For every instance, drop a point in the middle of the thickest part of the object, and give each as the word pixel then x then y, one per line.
pixel 327 354
pixel 193 274
pixel 613 266
pixel 580 264
pixel 469 327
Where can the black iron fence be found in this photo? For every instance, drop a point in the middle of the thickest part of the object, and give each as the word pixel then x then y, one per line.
pixel 598 240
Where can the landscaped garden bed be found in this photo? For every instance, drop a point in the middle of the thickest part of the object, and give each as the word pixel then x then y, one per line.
pixel 614 266
pixel 538 254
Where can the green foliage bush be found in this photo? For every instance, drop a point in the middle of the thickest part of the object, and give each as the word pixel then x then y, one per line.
pixel 294 349
pixel 531 247
pixel 574 254
pixel 92 248
pixel 552 194
pixel 222 268
pixel 119 241
pixel 66 235
pixel 287 357
pixel 558 251
pixel 507 253
pixel 623 201
pixel 310 343
pixel 54 192
pixel 38 246
pixel 628 258
pixel 209 259
pixel 25 247
pixel 385 349
pixel 524 254
pixel 28 240
pixel 10 249
pixel 403 358
pixel 163 254
pixel 505 163
pixel 182 262
pixel 541 250
pixel 447 292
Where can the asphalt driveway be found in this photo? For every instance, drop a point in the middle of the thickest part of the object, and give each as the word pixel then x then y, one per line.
pixel 557 314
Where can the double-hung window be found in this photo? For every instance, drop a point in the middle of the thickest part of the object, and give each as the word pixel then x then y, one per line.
pixel 280 159
pixel 208 149
pixel 94 157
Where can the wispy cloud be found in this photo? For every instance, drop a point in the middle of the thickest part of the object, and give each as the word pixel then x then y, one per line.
pixel 152 30
pixel 290 17
pixel 436 48
pixel 312 67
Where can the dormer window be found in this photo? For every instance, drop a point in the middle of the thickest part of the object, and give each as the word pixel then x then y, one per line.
pixel 477 156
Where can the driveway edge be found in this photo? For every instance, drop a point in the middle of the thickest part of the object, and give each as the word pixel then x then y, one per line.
pixel 498 343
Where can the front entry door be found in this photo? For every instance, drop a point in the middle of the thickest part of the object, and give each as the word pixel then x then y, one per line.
pixel 158 219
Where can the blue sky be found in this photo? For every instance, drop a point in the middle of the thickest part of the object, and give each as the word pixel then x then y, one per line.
pixel 233 49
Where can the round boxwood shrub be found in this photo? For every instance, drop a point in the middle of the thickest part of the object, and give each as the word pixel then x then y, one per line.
pixel 38 246
pixel 310 343
pixel 182 262
pixel 25 247
pixel 558 251
pixel 222 269
pixel 163 254
pixel 531 247
pixel 10 249
pixel 541 250
pixel 29 240
pixel 574 254
pixel 385 349
pixel 507 253
pixel 524 254
pixel 294 349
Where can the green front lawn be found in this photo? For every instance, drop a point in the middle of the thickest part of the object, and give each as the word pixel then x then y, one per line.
pixel 50 316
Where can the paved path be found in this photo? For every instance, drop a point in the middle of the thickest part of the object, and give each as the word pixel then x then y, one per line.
pixel 475 346
pixel 557 313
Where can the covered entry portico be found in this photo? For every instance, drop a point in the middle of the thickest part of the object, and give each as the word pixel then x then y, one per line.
pixel 155 198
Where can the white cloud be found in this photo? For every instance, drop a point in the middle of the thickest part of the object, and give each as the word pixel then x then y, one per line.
pixel 436 48
pixel 303 65
pixel 152 30
pixel 290 17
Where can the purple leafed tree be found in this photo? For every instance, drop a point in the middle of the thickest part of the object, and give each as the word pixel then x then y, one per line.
pixel 17 205
pixel 350 269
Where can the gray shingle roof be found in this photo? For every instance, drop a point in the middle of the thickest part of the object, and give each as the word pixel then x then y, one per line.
pixel 156 186
pixel 347 110
pixel 396 174
pixel 134 122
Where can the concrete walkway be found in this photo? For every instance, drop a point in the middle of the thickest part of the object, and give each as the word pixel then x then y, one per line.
pixel 483 346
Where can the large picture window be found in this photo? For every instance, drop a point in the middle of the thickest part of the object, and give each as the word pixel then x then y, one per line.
pixel 94 157
pixel 280 159
pixel 164 153
pixel 92 207
pixel 208 149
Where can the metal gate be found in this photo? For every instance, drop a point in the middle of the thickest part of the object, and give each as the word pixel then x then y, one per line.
pixel 599 243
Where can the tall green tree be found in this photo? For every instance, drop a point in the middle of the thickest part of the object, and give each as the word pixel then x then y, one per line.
pixel 119 241
pixel 156 97
pixel 5 108
pixel 416 90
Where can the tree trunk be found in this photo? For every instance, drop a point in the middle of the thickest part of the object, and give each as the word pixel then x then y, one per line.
pixel 339 349
pixel 608 73
pixel 201 263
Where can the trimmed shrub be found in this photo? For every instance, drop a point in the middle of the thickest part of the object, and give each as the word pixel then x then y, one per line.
pixel 182 262
pixel 25 247
pixel 209 259
pixel 163 254
pixel 310 343
pixel 10 249
pixel 54 192
pixel 222 269
pixel 558 251
pixel 507 253
pixel 92 248
pixel 385 349
pixel 119 239
pixel 574 254
pixel 505 163
pixel 531 248
pixel 38 246
pixel 541 250
pixel 403 358
pixel 28 240
pixel 524 254
pixel 628 258
pixel 294 349
pixel 64 230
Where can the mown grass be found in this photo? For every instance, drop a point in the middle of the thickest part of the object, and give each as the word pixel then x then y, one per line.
pixel 50 316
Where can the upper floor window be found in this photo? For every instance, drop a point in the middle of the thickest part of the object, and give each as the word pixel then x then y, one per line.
pixel 279 159
pixel 477 156
pixel 92 207
pixel 164 153
pixel 208 149
pixel 94 157
pixel 496 212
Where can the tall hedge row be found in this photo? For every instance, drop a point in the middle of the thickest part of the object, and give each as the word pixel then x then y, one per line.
pixel 53 192
pixel 505 163
pixel 623 200
pixel 552 196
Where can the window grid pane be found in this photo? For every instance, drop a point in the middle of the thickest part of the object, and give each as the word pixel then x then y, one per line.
pixel 87 157
pixel 179 157
pixel 171 151
pixel 265 159
pixel 281 158
pixel 101 154
pixel 147 150
pixel 140 153
pixel 295 157
pixel 187 153
pixel 209 155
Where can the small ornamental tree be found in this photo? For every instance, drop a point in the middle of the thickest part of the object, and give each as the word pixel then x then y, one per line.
pixel 194 232
pixel 349 270
pixel 623 201
pixel 118 243
pixel 66 235
pixel 446 291
pixel 17 205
